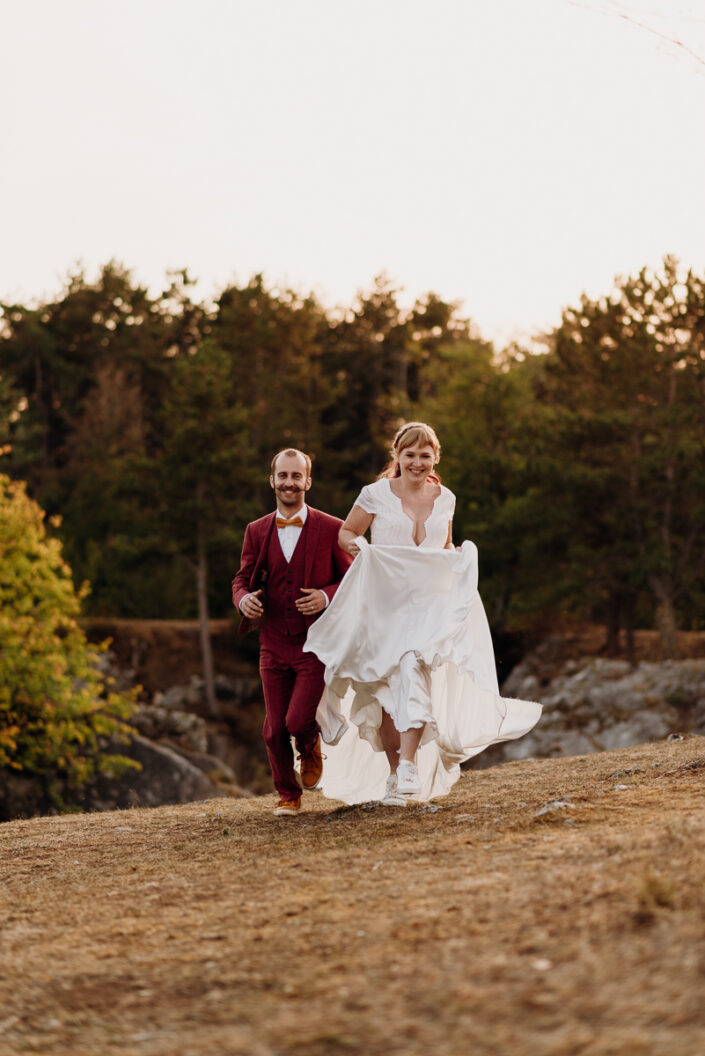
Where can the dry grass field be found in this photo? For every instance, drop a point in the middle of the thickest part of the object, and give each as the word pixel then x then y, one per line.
pixel 482 927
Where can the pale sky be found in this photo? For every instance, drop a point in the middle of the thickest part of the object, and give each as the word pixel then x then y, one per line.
pixel 508 154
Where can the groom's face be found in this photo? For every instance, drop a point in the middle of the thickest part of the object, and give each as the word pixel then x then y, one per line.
pixel 290 481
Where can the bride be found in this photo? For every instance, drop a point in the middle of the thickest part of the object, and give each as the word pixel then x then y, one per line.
pixel 410 674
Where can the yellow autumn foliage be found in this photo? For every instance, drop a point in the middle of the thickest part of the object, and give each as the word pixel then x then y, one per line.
pixel 56 713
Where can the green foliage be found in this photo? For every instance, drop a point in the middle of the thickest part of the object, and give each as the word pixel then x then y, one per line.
pixel 380 361
pixel 621 445
pixel 273 343
pixel 54 714
pixel 148 424
pixel 203 479
pixel 477 404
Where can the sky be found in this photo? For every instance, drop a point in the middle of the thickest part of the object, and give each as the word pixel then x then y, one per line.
pixel 506 154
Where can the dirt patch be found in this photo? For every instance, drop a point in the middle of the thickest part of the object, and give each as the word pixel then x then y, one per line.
pixel 483 926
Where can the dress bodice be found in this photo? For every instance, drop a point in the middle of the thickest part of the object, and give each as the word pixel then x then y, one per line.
pixel 392 526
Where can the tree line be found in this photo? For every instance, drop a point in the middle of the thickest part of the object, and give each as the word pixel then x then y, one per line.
pixel 147 424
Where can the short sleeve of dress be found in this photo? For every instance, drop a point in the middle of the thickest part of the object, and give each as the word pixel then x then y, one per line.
pixel 450 502
pixel 366 500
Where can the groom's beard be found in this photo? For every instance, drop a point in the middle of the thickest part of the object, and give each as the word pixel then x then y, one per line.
pixel 290 496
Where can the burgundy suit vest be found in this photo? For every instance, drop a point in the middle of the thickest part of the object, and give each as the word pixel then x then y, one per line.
pixel 284 584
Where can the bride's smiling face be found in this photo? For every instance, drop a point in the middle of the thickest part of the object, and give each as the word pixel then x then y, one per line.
pixel 416 461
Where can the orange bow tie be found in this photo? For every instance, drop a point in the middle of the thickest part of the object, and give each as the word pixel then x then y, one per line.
pixel 293 522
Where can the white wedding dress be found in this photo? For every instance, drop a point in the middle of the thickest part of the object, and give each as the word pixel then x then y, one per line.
pixel 407 632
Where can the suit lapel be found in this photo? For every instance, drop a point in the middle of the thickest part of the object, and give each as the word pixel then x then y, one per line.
pixel 312 530
pixel 267 530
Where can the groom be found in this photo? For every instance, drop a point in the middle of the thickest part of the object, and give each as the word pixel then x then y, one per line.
pixel 290 569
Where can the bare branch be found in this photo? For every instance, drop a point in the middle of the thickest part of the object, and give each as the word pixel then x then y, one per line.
pixel 640 25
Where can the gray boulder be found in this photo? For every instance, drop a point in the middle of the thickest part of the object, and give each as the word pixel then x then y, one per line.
pixel 230 692
pixel 186 729
pixel 594 705
pixel 165 778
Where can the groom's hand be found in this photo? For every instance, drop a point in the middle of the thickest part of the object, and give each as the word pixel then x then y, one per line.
pixel 315 601
pixel 251 606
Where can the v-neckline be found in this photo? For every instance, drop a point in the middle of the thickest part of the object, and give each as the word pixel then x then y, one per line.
pixel 411 519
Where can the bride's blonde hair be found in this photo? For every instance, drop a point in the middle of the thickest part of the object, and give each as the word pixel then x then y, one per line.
pixel 409 434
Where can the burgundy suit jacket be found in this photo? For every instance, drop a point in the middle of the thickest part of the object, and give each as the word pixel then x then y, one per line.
pixel 325 563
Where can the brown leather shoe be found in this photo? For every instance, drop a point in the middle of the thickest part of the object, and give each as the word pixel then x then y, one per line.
pixel 286 808
pixel 311 764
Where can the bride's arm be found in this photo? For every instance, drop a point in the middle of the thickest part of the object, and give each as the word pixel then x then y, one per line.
pixel 449 540
pixel 356 523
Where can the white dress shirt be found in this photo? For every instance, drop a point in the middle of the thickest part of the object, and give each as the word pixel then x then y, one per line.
pixel 289 537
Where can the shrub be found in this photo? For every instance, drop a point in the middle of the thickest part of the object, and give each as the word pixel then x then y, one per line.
pixel 57 715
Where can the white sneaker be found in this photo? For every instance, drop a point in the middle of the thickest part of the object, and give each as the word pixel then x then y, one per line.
pixel 391 797
pixel 408 782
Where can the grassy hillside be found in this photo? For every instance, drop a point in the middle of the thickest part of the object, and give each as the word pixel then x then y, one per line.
pixel 478 928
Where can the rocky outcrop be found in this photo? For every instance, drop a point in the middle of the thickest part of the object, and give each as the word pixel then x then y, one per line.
pixel 162 777
pixel 593 705
pixel 165 777
pixel 21 796
pixel 177 716
pixel 181 756
pixel 182 729
pixel 232 694
pixel 228 748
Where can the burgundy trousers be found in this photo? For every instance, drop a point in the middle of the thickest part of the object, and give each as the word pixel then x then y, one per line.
pixel 293 686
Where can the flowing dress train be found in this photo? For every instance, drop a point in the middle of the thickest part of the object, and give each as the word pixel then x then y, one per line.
pixel 407 632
